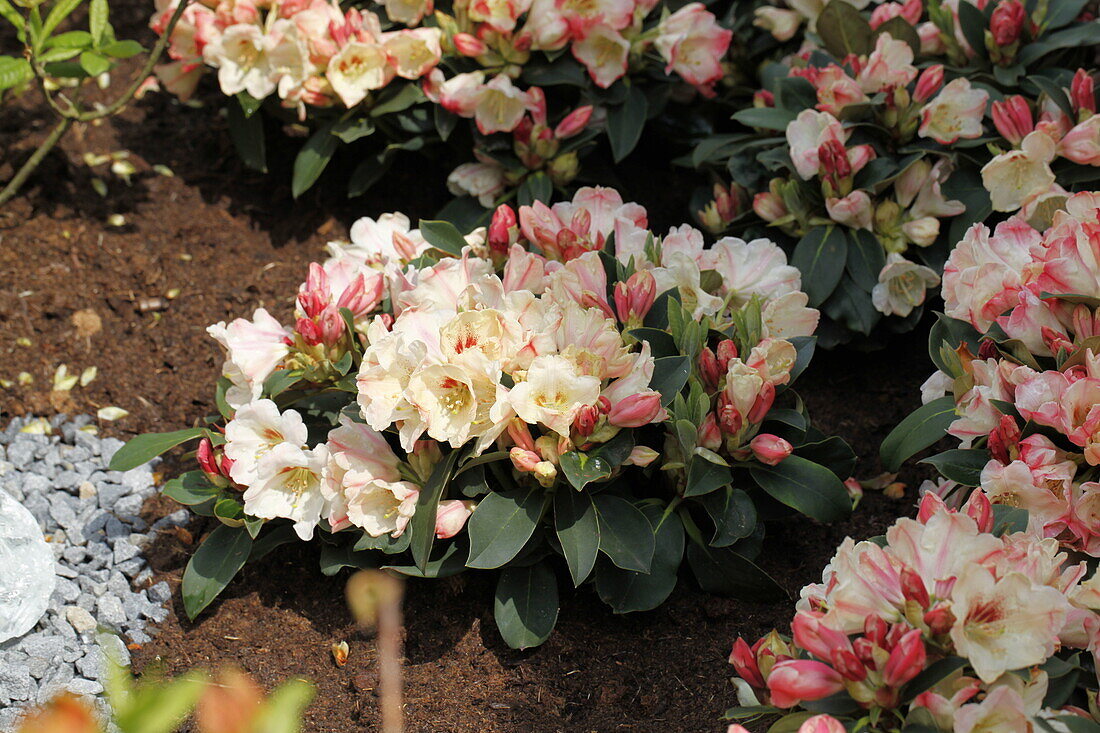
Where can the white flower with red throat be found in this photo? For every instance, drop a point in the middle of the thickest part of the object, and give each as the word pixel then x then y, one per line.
pixel 254 431
pixel 288 486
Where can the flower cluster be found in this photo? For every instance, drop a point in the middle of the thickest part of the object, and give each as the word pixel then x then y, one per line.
pixel 990 621
pixel 311 54
pixel 1020 370
pixel 464 398
pixel 472 60
pixel 889 120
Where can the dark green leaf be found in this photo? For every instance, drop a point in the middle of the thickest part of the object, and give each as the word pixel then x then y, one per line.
pixel 961 466
pixel 627 591
pixel 733 514
pixel 422 525
pixel 312 159
pixel 866 258
pixel 397 98
pixel 582 468
pixel 704 477
pixel 526 605
pixel 535 187
pixel 1008 519
pixel 443 565
pixel 821 256
pixel 220 557
pixel 973 24
pixel 501 525
pixel 191 488
pixel 670 374
pixel 932 676
pixel 851 307
pixel 843 30
pixel 806 486
pixel 626 536
pixel 625 123
pixel 280 381
pixel 916 432
pixel 767 118
pixel 900 29
pixel 833 453
pixel 247 134
pixel 578 530
pixel 351 130
pixel 1071 37
pixel 443 236
pixel 723 571
pixel 145 448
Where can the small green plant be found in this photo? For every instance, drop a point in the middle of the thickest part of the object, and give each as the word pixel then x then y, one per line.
pixel 62 64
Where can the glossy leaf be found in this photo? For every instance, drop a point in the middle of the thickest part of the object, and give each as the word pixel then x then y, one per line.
pixel 733 514
pixel 526 605
pixel 626 536
pixel 313 159
pixel 805 486
pixel 959 465
pixel 916 432
pixel 145 448
pixel 627 591
pixel 422 525
pixel 217 560
pixel 501 525
pixel 723 571
pixel 578 531
pixel 821 256
pixel 443 236
pixel 625 123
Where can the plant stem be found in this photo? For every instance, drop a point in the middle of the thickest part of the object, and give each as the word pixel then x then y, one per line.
pixel 43 150
pixel 70 116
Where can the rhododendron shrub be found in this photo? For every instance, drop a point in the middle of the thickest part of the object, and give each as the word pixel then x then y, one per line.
pixel 1018 379
pixel 871 143
pixel 953 621
pixel 538 81
pixel 565 390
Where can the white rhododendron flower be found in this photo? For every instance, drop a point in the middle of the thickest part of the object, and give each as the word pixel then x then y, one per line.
pixel 902 286
pixel 288 485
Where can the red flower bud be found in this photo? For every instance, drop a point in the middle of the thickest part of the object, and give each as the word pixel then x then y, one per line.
pixel 204 454
pixel 978 508
pixel 727 351
pixel 709 370
pixel 503 228
pixel 913 588
pixel 848 664
pixel 770 449
pixel 987 349
pixel 1007 22
pixel 1004 438
pixel 906 660
pixel 1082 92
pixel 763 403
pixel 729 418
pixel 744 661
pixel 939 620
pixel 930 81
pixel 1012 118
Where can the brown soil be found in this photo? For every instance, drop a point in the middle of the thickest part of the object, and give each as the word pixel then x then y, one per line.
pixel 230 241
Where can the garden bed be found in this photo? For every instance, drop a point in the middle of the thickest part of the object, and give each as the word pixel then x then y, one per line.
pixel 229 240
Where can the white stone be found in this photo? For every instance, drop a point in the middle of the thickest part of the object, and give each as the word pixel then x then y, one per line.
pixel 27 577
pixel 80 619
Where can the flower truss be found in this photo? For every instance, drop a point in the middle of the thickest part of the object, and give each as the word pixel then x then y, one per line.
pixel 564 389
pixel 953 621
pixel 1019 373
pixel 350 72
pixel 872 141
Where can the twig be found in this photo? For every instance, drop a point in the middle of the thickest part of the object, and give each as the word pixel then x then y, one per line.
pixel 68 116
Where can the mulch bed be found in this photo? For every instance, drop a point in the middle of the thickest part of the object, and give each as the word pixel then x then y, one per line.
pixel 230 241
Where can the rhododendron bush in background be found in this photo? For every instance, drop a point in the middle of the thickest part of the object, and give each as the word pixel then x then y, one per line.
pixel 954 621
pixel 564 390
pixel 873 145
pixel 1018 379
pixel 539 80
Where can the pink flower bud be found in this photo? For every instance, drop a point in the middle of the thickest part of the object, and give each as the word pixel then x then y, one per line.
pixel 1012 118
pixel 729 418
pixel 906 661
pixel 854 489
pixel 520 434
pixel 469 45
pixel 204 454
pixel 768 206
pixel 635 297
pixel 794 680
pixel 815 637
pixel 822 724
pixel 875 630
pixel 585 421
pixel 848 664
pixel 573 123
pixel 1004 438
pixel 940 620
pixel 503 229
pixel 709 370
pixel 1082 92
pixel 536 103
pixel 309 331
pixel 332 325
pixel 930 81
pixel 770 449
pixel 727 351
pixel 1007 22
pixel 744 661
pixel 763 403
pixel 912 587
pixel 524 460
pixel 710 437
pixel 930 505
pixel 763 98
pixel 834 161
pixel 636 410
pixel 864 650
pixel 1056 341
pixel 451 517
pixel 978 508
pixel 987 349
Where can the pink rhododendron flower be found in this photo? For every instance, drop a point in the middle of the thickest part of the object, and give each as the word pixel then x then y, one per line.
pixel 956 112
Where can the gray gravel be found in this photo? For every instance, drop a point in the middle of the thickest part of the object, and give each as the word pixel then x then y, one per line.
pixel 89 515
